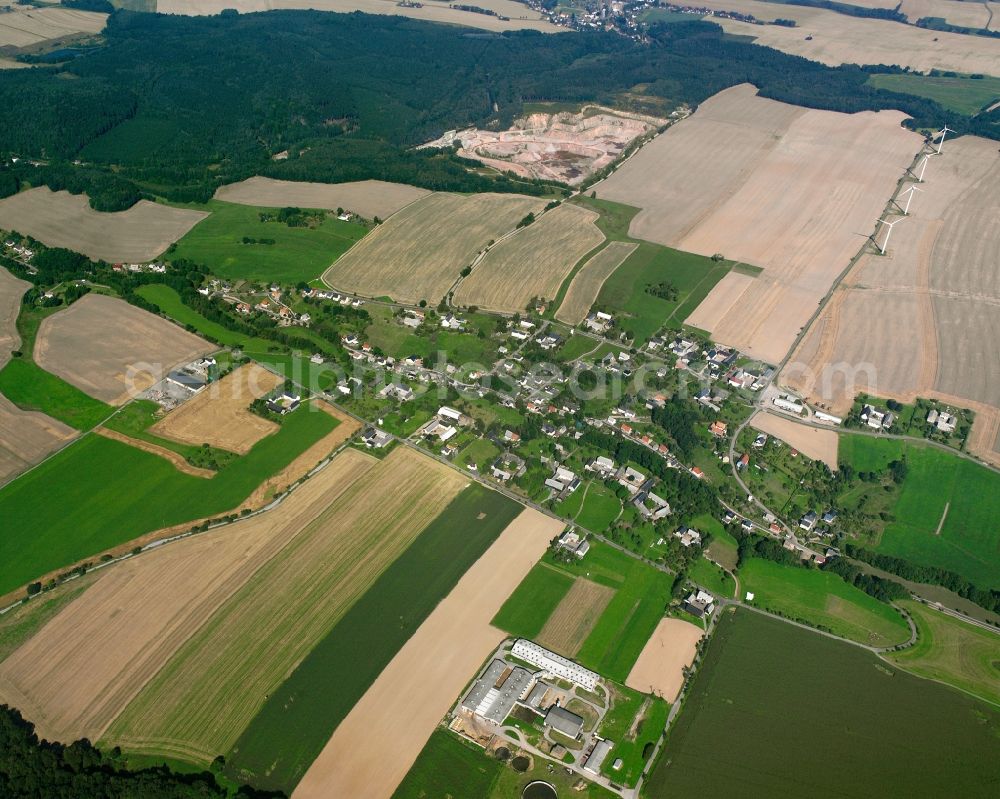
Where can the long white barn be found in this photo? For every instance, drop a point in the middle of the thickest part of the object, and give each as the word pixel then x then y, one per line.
pixel 554 664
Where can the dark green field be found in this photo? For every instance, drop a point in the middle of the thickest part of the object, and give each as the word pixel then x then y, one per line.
pixel 99 493
pixel 969 540
pixel 961 93
pixel 298 253
pixel 777 711
pixel 31 388
pixel 529 607
pixel 300 716
pixel 448 764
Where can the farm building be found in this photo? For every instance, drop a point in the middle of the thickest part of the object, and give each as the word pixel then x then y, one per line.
pixel 191 382
pixel 598 756
pixel 554 664
pixel 494 694
pixel 573 542
pixel 564 721
pixel 788 404
pixel 699 604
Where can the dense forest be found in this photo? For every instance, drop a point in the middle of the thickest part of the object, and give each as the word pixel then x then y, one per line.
pixel 179 105
pixel 31 768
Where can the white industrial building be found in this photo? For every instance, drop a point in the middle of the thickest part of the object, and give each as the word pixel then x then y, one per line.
pixel 554 664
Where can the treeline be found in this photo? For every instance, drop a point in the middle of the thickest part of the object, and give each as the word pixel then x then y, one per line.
pixel 893 14
pixel 33 768
pixel 678 418
pixel 176 106
pixel 941 24
pixel 879 587
pixel 935 575
pixel 690 496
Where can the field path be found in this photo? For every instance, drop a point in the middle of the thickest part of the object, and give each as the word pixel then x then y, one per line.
pixel 944 515
pixel 374 747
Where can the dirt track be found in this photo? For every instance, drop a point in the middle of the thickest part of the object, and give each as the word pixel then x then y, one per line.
pixel 372 749
pixel 220 414
pixel 660 667
pixel 112 350
pixel 368 198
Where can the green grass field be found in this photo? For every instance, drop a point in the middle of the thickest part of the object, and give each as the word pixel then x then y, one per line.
pixel 298 718
pixel 170 303
pixel 298 253
pixel 600 508
pixel 707 574
pixel 533 601
pixel 481 452
pixel 969 540
pixel 954 652
pixel 31 388
pixel 723 548
pixel 789 713
pixel 961 94
pixel 634 750
pixel 824 600
pixel 99 493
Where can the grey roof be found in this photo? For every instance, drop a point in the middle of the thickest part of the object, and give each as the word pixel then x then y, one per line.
pixel 535 697
pixel 493 695
pixel 559 718
pixel 597 757
pixel 186 380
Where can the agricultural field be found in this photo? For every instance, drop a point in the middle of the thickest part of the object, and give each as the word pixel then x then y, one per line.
pixel 28 26
pixel 824 600
pixel 943 515
pixel 26 437
pixel 134 617
pixel 628 620
pixel 575 616
pixel 755 698
pixel 533 262
pixel 366 198
pixel 818 445
pixel 61 219
pixel 961 93
pixel 31 388
pixel 11 290
pixel 432 668
pixel 169 302
pixel 99 494
pixel 706 573
pixel 635 723
pixel 112 350
pixel 518 17
pixel 220 415
pixel 745 208
pixel 234 242
pixel 418 253
pixel 587 282
pixel 660 668
pixel 952 651
pixel 938 271
pixel 832 38
pixel 253 641
pixel 297 720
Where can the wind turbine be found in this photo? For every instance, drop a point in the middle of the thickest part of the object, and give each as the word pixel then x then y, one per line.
pixel 909 197
pixel 885 244
pixel 942 133
pixel 923 166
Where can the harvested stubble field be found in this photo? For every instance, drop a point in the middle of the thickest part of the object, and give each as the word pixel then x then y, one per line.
pixel 11 290
pixel 954 12
pixel 423 680
pixel 519 17
pixel 586 284
pixel 575 617
pixel 418 253
pixel 203 698
pixel 61 219
pixel 220 414
pixel 754 697
pixel 660 668
pixel 819 445
pixel 367 198
pixel 130 622
pixel 26 437
pixel 833 38
pixel 26 26
pixel 112 350
pixel 533 262
pixel 938 279
pixel 756 164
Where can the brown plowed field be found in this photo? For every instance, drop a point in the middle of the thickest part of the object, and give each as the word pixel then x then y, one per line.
pixel 660 667
pixel 112 350
pixel 922 319
pixel 26 437
pixel 418 253
pixel 533 262
pixel 220 414
pixel 586 284
pixel 783 188
pixel 81 670
pixel 373 748
pixel 61 219
pixel 204 696
pixel 575 616
pixel 368 198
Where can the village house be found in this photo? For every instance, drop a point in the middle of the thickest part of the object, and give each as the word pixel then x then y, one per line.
pixel 602 465
pixel 631 478
pixel 573 542
pixel 563 480
pixel 687 536
pixel 650 506
pixel 699 604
